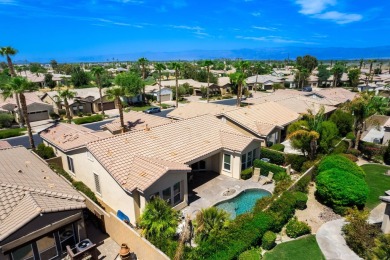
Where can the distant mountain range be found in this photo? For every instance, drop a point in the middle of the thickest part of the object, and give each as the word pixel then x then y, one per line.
pixel 268 53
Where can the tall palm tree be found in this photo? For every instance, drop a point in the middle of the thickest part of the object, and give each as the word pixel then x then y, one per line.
pixel 143 62
pixel 18 86
pixel 371 63
pixel 361 61
pixel 238 78
pixel 65 95
pixel 208 64
pixel 256 68
pixel 159 67
pixel 177 67
pixel 209 222
pixel 8 52
pixel 98 72
pixel 115 93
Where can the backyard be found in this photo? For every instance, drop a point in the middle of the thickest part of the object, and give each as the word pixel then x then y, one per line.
pixel 300 249
pixel 377 182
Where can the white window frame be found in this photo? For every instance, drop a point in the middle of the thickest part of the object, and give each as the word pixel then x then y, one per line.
pixel 230 163
pixel 70 163
pixel 89 156
pixel 98 187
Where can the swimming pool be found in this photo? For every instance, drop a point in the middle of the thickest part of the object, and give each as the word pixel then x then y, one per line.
pixel 243 202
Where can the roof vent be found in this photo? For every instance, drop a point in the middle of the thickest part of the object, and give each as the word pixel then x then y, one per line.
pixel 147 128
pixel 20 171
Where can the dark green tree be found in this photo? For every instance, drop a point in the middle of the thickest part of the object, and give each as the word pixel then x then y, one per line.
pixel 49 82
pixel 353 76
pixel 79 77
pixel 323 74
pixel 308 62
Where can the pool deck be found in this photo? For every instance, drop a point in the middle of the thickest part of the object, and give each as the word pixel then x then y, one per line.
pixel 210 193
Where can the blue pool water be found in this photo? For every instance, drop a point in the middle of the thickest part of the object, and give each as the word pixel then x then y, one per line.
pixel 242 203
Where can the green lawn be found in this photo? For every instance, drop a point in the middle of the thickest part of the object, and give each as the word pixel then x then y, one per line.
pixel 300 249
pixel 11 132
pixel 140 108
pixel 377 182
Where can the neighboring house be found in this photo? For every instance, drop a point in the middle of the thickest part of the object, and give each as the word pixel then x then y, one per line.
pixel 194 109
pixel 268 121
pixel 377 130
pixel 40 213
pixel 196 85
pixel 36 109
pixel 225 85
pixel 68 140
pixel 386 137
pixel 135 121
pixel 127 170
pixel 39 78
pixel 265 82
pixel 4 144
pixel 166 93
pixel 87 100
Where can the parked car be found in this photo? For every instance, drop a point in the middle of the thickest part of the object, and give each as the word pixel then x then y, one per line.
pixel 307 89
pixel 152 110
pixel 265 159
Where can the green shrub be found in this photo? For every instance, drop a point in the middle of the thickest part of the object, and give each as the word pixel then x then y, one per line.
pixel 351 136
pixel 344 121
pixel 296 161
pixel 165 106
pixel 342 147
pixel 282 185
pixel 386 155
pixel 61 112
pixel 301 200
pixel 262 203
pixel 265 168
pixel 251 254
pixel 277 147
pixel 371 150
pixel 275 157
pixel 350 157
pixel 295 228
pixel 53 115
pixel 353 151
pixel 307 165
pixel 268 240
pixel 337 187
pixel 45 152
pixel 247 173
pixel 6 120
pixel 302 184
pixel 340 162
pixel 282 210
pixel 11 132
pixel 88 119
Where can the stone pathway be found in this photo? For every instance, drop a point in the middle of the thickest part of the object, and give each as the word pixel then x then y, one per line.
pixel 332 243
pixel 376 215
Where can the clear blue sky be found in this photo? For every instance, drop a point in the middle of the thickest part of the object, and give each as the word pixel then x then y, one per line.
pixel 54 29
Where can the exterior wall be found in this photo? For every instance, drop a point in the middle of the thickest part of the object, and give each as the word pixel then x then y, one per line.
pixel 87 108
pixel 95 104
pixel 47 99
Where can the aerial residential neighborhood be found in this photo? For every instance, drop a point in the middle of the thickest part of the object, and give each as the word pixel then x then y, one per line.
pixel 188 130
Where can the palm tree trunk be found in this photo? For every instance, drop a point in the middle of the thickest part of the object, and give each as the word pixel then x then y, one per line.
pixel 208 84
pixel 25 115
pixel 11 66
pixel 177 89
pixel 143 89
pixel 159 88
pixel 119 103
pixel 20 114
pixel 100 94
pixel 357 140
pixel 239 90
pixel 67 109
pixel 257 74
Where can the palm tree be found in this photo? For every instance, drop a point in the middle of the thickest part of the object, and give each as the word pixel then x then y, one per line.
pixel 208 64
pixel 159 67
pixel 158 221
pixel 18 86
pixel 176 66
pixel 361 61
pixel 371 63
pixel 303 137
pixel 256 68
pixel 8 52
pixel 65 95
pixel 209 222
pixel 115 93
pixel 143 62
pixel 98 72
pixel 238 78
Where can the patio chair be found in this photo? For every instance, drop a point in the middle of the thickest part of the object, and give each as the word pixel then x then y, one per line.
pixel 256 175
pixel 268 179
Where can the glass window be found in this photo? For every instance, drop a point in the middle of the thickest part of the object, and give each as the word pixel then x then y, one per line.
pixel 97 183
pixel 70 164
pixel 47 247
pixel 202 165
pixel 254 153
pixel 167 195
pixel 243 162
pixel 176 193
pixel 23 253
pixel 67 237
pixel 155 195
pixel 250 160
pixel 226 162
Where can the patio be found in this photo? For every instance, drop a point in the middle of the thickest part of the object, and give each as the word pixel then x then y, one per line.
pixel 208 187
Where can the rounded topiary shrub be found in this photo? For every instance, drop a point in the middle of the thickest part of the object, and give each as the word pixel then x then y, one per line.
pixel 340 188
pixel 301 200
pixel 341 163
pixel 295 228
pixel 251 254
pixel 268 240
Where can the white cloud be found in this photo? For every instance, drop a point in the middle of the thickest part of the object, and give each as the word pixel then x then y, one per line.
pixel 340 18
pixel 314 6
pixel 256 14
pixel 264 28
pixel 118 23
pixel 129 1
pixel 197 30
pixel 271 38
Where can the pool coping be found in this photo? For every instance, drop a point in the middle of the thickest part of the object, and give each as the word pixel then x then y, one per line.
pixel 233 196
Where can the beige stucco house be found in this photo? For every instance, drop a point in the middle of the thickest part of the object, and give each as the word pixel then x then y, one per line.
pixel 125 171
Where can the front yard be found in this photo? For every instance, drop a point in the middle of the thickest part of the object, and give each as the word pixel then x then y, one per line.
pixel 300 249
pixel 11 132
pixel 377 182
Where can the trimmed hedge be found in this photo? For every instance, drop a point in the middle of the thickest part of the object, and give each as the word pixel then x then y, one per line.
pixel 340 162
pixel 277 147
pixel 295 228
pixel 282 210
pixel 339 188
pixel 6 120
pixel 252 254
pixel 296 161
pixel 247 173
pixel 45 152
pixel 350 157
pixel 274 156
pixel 11 132
pixel 302 184
pixel 265 168
pixel 268 240
pixel 88 119
pixel 301 200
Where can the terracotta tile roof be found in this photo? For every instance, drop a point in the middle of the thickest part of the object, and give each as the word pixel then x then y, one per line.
pixel 9 104
pixel 193 83
pixel 69 136
pixel 340 95
pixel 136 121
pixel 29 187
pixel 256 117
pixel 301 105
pixel 137 159
pixel 261 79
pixel 195 109
pixel 4 144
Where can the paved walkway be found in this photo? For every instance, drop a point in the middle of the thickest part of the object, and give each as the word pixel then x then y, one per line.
pixel 332 243
pixel 376 215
